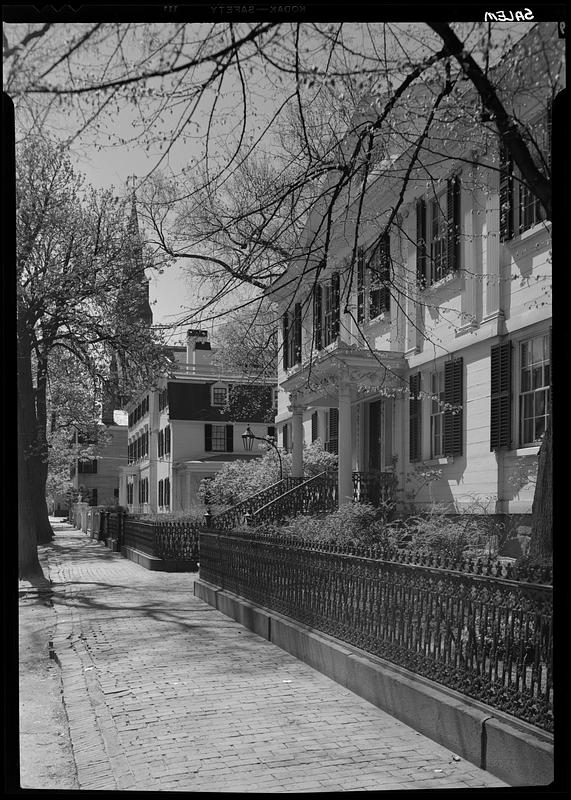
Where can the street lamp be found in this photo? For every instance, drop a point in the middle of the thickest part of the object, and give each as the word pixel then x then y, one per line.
pixel 248 440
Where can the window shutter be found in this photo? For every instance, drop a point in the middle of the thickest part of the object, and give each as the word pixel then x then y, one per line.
pixel 453 396
pixel 415 417
pixel 336 300
pixel 360 285
pixel 333 423
pixel 229 438
pixel 317 316
pixel 285 444
pixel 421 242
pixel 161 493
pixel 501 396
pixel 506 194
pixel 272 431
pixel 297 333
pixel 168 439
pixel 385 272
pixel 208 437
pixel 285 342
pixel 314 427
pixel 161 443
pixel 453 224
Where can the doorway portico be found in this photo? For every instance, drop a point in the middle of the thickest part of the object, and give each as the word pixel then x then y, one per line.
pixel 359 384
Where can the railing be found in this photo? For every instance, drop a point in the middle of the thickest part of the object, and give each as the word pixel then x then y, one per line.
pixel 236 516
pixel 480 634
pixel 374 487
pixel 167 540
pixel 314 495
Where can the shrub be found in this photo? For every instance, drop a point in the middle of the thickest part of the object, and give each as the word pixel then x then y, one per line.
pixel 352 524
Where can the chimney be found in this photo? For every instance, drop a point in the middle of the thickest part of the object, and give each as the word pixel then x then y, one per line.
pixel 198 349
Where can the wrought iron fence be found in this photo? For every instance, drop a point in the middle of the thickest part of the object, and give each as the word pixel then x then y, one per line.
pixel 484 635
pixel 177 540
pixel 172 540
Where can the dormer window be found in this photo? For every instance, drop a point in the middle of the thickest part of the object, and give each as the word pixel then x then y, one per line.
pixel 219 396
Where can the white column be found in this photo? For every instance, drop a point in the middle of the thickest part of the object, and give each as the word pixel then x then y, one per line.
pixel 297 441
pixel 345 455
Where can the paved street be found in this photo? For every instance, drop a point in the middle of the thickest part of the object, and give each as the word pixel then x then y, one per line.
pixel 163 692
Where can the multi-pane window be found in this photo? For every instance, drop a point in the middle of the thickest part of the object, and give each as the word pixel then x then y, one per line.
pixel 164 492
pixel 438 234
pixel 219 438
pixel 520 209
pixel 437 414
pixel 144 490
pixel 87 467
pixel 326 311
pixel 437 238
pixel 373 281
pixel 219 395
pixel 534 373
pixel 292 337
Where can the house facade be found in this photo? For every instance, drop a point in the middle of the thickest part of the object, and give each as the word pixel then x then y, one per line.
pixel 184 430
pixel 418 343
pixel 96 480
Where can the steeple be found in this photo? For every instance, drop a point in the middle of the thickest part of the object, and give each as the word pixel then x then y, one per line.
pixel 141 310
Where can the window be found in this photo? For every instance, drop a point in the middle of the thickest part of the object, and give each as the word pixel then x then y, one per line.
pixel 285 437
pixel 415 418
pixel 130 492
pixel 292 337
pixel 272 431
pixel 144 490
pixel 219 438
pixel 163 399
pixel 219 395
pixel 437 414
pixel 326 305
pixel 314 426
pixel 533 380
pixel 332 442
pixel 373 281
pixel 87 466
pixel 520 209
pixel 275 393
pixel 437 234
pixel 534 389
pixel 446 412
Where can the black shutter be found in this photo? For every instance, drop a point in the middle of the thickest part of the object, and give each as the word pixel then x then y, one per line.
pixel 229 438
pixel 385 273
pixel 360 285
pixel 297 333
pixel 501 396
pixel 272 431
pixel 421 242
pixel 415 417
pixel 285 342
pixel 208 437
pixel 168 438
pixel 336 301
pixel 317 316
pixel 506 194
pixel 453 396
pixel 161 447
pixel 285 444
pixel 314 427
pixel 161 495
pixel 453 224
pixel 333 430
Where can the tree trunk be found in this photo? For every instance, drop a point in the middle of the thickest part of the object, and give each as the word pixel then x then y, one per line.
pixel 28 564
pixel 541 544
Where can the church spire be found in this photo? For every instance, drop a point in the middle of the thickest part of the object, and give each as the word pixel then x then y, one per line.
pixel 141 310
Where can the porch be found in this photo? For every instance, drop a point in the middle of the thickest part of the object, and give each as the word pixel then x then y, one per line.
pixel 364 388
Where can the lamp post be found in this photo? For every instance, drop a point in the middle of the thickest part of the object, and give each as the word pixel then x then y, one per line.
pixel 248 441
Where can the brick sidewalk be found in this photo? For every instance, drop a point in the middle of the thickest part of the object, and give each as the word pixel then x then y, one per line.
pixel 165 693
